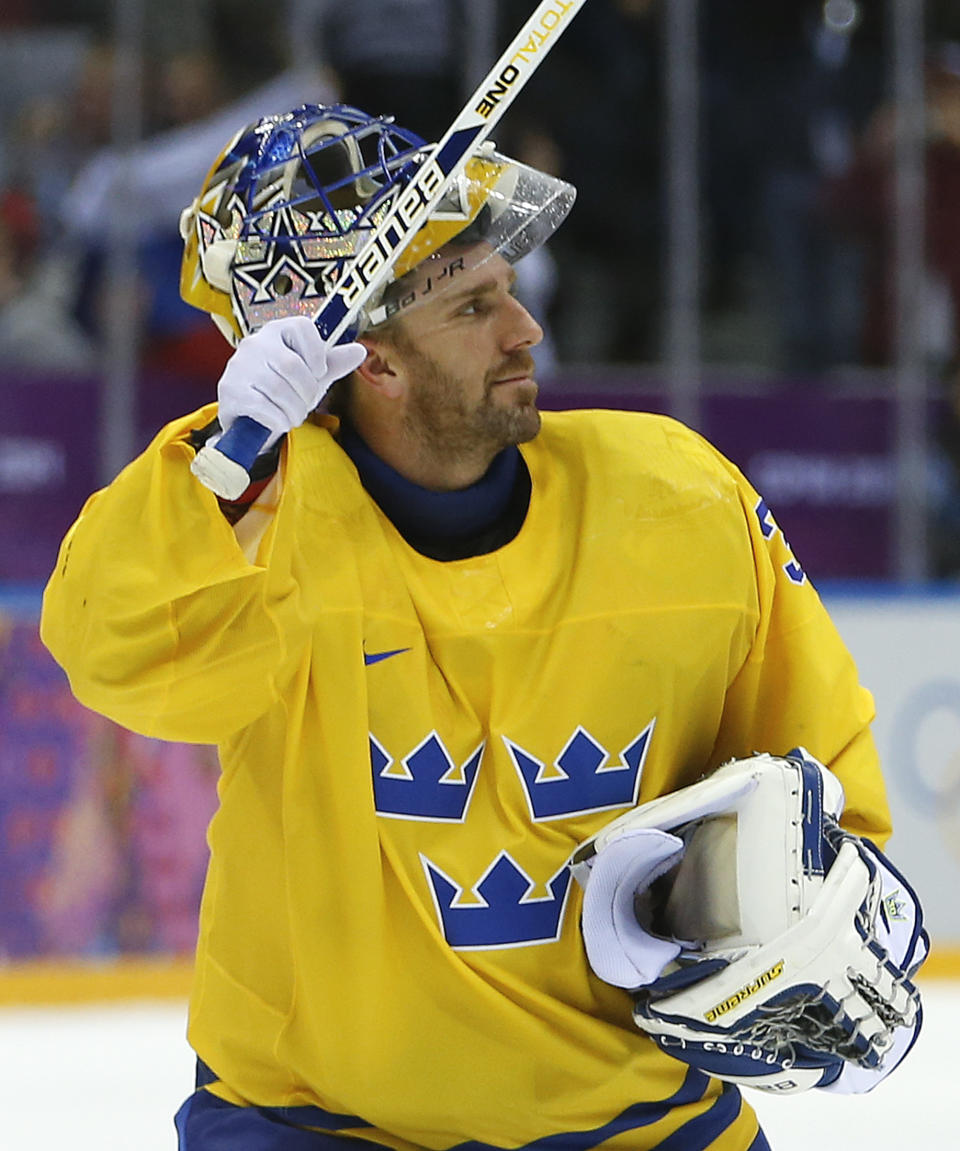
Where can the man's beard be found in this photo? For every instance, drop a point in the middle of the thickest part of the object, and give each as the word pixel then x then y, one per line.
pixel 440 417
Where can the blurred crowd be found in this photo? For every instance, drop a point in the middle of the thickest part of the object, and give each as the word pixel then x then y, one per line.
pixel 795 160
pixel 796 164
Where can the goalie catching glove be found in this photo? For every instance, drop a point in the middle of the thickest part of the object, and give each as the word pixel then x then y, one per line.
pixel 763 944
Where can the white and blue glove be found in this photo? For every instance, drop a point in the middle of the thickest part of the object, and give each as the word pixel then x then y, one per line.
pixel 271 383
pixel 763 944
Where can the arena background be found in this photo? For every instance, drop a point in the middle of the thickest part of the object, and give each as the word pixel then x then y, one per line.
pixel 701 278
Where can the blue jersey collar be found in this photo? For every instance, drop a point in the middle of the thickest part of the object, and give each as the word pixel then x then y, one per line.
pixel 418 511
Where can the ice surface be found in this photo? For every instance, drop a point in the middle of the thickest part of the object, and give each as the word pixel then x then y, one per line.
pixel 108 1078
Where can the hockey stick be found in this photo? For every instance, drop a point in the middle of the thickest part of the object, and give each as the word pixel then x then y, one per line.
pixel 224 468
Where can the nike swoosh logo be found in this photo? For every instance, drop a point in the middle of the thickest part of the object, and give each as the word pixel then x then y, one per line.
pixel 377 656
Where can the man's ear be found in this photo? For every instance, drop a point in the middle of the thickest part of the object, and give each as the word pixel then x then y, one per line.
pixel 380 369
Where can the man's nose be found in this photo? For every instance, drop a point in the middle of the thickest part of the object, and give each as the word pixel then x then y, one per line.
pixel 522 330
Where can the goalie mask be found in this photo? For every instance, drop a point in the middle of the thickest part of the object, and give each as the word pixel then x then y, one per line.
pixel 293 198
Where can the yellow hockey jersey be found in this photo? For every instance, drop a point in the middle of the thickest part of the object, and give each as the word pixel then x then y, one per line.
pixel 411 750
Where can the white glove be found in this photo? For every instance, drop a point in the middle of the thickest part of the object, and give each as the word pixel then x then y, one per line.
pixel 279 374
pixel 794 943
pixel 621 950
pixel 897 927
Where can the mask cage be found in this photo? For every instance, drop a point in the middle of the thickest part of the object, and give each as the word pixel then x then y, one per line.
pixel 335 166
pixel 295 197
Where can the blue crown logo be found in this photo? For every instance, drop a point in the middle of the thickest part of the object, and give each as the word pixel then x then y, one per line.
pixel 582 780
pixel 427 784
pixel 506 914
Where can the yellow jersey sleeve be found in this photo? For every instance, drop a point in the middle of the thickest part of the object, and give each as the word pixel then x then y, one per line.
pixel 799 683
pixel 154 612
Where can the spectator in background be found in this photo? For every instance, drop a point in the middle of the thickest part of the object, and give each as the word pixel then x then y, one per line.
pixel 36 330
pixel 62 160
pixel 824 96
pixel 786 89
pixel 187 88
pixel 608 293
pixel 861 204
pixel 190 87
pixel 55 124
pixel 48 142
pixel 19 232
pixel 401 55
pixel 161 177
